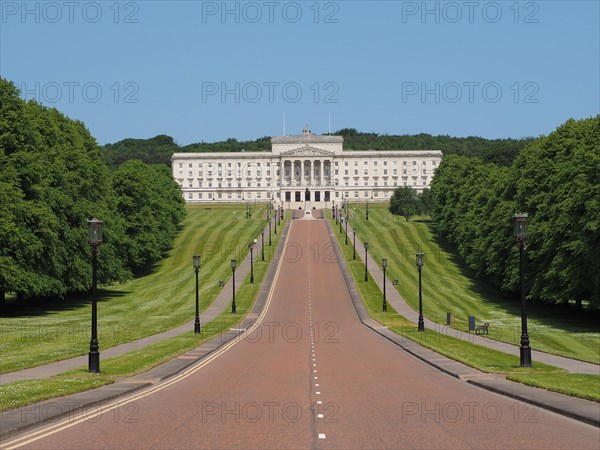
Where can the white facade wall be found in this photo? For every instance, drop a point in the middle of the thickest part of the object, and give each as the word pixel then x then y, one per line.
pixel 300 163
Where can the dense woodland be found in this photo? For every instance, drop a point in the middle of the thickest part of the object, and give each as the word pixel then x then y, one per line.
pixel 159 149
pixel 556 180
pixel 52 180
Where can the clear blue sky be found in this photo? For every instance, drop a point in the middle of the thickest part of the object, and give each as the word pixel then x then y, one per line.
pixel 199 72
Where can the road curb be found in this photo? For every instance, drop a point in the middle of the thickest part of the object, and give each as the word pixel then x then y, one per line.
pixel 90 402
pixel 575 408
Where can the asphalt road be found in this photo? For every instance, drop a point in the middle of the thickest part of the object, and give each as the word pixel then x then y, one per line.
pixel 311 376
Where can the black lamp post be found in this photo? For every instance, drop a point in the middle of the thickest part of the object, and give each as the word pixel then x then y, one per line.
pixel 233 310
pixel 520 233
pixel 251 247
pixel 366 252
pixel 196 260
pixel 280 217
pixel 274 220
pixel 336 214
pixel 346 225
pixel 341 220
pixel 95 239
pixel 420 262
pixel 367 210
pixel 262 248
pixel 332 210
pixel 384 266
pixel 354 243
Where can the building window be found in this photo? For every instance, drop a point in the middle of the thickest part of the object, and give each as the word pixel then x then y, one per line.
pixel 356 194
pixel 190 196
pixel 190 165
pixel 366 194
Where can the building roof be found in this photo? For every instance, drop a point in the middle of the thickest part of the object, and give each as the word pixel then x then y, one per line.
pixel 306 137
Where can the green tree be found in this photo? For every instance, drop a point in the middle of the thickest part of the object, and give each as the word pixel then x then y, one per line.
pixel 404 202
pixel 425 202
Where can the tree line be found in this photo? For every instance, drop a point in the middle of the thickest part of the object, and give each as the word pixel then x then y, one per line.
pixel 556 180
pixel 52 180
pixel 160 149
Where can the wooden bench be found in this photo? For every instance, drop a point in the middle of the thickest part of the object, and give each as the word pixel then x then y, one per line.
pixel 481 329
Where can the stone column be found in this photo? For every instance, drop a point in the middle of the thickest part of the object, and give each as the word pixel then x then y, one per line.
pixel 321 166
pixel 302 163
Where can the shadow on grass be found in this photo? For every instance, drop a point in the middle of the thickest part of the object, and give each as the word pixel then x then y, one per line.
pixel 561 316
pixel 47 306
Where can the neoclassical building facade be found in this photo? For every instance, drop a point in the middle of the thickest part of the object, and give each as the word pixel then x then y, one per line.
pixel 306 170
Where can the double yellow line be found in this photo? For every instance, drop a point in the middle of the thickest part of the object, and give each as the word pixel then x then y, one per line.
pixel 102 409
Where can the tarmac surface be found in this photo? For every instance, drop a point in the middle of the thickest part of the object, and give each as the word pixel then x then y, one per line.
pixel 310 374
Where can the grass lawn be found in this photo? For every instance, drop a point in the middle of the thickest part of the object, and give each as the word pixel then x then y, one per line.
pixel 449 286
pixel 145 306
pixel 576 385
pixel 21 393
pixel 477 356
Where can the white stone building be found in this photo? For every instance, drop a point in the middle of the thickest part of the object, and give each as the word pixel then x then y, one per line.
pixel 306 170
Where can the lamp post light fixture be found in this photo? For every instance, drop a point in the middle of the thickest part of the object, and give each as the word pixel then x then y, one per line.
pixel 262 248
pixel 366 254
pixel 520 221
pixel 346 226
pixel 94 239
pixel 196 259
pixel 354 243
pixel 274 220
pixel 384 266
pixel 233 309
pixel 420 262
pixel 251 247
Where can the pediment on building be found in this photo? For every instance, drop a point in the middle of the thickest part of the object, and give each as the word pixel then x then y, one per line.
pixel 307 150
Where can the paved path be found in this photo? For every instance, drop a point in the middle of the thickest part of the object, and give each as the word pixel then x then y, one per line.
pixel 404 309
pixel 312 376
pixel 220 303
